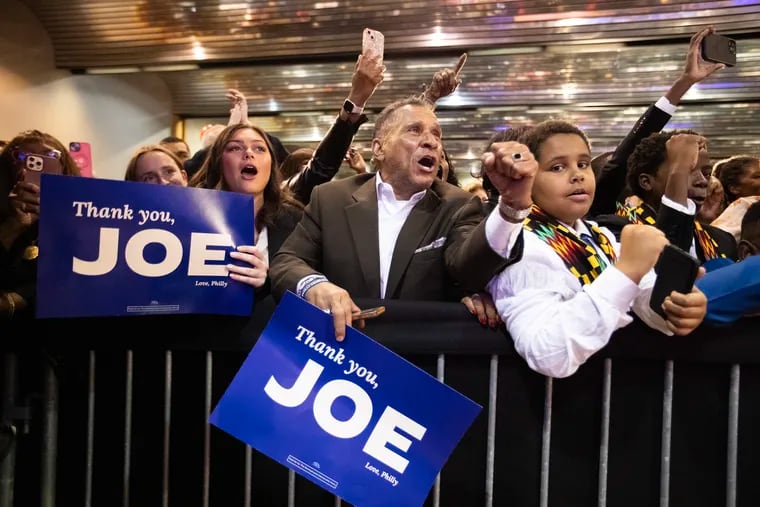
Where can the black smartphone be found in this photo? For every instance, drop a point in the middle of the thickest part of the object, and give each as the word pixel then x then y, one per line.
pixel 676 271
pixel 719 49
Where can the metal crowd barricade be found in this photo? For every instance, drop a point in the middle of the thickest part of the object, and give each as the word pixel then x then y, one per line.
pixel 108 425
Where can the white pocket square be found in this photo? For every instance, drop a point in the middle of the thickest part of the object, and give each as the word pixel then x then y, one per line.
pixel 435 244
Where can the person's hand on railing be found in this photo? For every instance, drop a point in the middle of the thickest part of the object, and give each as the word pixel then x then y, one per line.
pixel 337 302
pixel 481 305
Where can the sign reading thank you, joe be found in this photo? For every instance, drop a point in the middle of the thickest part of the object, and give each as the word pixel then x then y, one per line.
pixel 124 248
pixel 351 416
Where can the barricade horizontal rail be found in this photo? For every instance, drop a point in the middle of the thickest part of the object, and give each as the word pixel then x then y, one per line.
pixel 118 414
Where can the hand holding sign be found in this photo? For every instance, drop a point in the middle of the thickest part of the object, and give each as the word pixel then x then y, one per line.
pixel 371 427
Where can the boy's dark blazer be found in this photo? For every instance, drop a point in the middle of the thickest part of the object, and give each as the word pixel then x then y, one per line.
pixel 612 178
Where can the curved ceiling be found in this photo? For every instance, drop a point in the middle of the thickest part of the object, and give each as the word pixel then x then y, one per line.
pixel 597 63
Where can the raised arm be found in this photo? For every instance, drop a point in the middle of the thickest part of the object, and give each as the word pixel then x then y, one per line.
pixel 444 82
pixel 238 107
pixel 611 180
pixel 329 155
pixel 682 153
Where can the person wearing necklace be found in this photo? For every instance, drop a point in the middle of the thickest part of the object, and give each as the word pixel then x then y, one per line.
pixel 21 162
pixel 575 284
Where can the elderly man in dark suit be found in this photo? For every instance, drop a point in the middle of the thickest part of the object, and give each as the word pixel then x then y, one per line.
pixel 402 233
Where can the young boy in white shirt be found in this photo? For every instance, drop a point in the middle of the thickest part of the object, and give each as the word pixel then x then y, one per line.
pixel 575 285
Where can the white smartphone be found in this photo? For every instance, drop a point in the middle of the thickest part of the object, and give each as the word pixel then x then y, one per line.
pixel 373 43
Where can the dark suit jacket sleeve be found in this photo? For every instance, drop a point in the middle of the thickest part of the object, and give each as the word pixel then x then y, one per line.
pixel 301 252
pixel 725 240
pixel 611 180
pixel 677 226
pixel 327 158
pixel 470 260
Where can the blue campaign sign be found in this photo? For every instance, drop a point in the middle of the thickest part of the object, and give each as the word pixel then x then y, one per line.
pixel 125 248
pixel 351 416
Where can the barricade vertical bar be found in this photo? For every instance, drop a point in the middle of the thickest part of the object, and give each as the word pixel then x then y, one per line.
pixel 49 435
pixel 248 474
pixel 338 501
pixel 667 418
pixel 90 431
pixel 733 435
pixel 167 426
pixel 604 445
pixel 291 488
pixel 546 440
pixel 127 429
pixel 8 465
pixel 440 370
pixel 491 437
pixel 207 430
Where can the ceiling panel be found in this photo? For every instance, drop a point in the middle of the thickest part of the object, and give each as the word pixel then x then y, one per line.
pixel 597 63
pixel 598 76
pixel 89 34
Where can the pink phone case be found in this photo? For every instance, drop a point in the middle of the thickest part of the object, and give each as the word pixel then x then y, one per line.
pixel 82 154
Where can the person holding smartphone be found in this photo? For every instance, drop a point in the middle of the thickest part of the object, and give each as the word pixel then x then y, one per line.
pixel 611 177
pixel 576 284
pixel 22 162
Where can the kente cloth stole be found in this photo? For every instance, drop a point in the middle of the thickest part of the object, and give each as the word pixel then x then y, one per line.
pixel 706 243
pixel 640 213
pixel 582 259
pixel 636 211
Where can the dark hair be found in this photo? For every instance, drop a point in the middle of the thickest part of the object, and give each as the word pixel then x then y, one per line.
pixel 131 173
pixel 730 170
pixel 509 134
pixel 647 158
pixel 9 173
pixel 293 162
pixel 171 139
pixel 210 175
pixel 536 137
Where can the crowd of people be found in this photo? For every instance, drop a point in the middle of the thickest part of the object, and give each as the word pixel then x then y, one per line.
pixel 556 244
